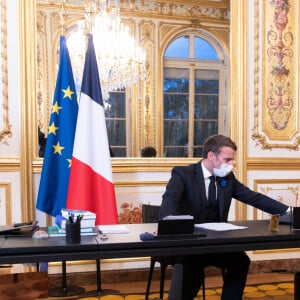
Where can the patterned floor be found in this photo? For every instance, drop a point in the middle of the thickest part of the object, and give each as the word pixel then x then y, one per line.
pixel 278 291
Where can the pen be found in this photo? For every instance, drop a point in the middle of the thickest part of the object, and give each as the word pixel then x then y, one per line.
pixel 78 220
pixel 71 218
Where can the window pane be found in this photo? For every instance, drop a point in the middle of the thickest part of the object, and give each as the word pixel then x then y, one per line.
pixel 176 80
pixel 115 105
pixel 206 107
pixel 178 48
pixel 207 81
pixel 176 106
pixel 204 50
pixel 175 152
pixel 197 152
pixel 175 133
pixel 204 129
pixel 116 130
pixel 115 115
pixel 118 152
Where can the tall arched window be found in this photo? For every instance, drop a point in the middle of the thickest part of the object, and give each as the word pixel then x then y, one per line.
pixel 194 94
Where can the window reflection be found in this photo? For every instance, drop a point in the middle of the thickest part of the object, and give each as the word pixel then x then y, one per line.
pixel 179 48
pixel 191 96
pixel 203 49
pixel 115 115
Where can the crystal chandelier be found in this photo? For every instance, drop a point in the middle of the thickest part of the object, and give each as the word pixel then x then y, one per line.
pixel 121 61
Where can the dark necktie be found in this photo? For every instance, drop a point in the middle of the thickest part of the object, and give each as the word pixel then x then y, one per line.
pixel 212 190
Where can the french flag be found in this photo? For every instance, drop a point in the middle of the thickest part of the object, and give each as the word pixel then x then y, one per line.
pixel 91 185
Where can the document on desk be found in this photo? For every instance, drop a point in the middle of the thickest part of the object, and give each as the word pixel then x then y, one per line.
pixel 222 226
pixel 113 229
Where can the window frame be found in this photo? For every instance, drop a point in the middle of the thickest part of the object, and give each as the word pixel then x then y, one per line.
pixel 203 64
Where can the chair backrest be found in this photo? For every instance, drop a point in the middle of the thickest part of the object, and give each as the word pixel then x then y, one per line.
pixel 150 213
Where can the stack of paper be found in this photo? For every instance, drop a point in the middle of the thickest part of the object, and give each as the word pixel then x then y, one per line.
pixel 219 226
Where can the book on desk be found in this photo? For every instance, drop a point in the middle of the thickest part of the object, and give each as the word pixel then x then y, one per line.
pixel 56 231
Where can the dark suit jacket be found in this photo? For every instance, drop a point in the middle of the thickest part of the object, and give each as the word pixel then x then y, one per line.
pixel 185 194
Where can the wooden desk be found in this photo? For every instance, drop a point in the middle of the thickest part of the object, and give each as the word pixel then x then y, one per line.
pixel 256 237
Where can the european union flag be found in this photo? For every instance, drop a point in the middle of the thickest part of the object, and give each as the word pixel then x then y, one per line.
pixel 53 189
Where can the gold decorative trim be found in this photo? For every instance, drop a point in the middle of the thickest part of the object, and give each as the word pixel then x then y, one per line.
pixel 28 132
pixel 237 107
pixel 131 165
pixel 7 188
pixel 139 183
pixel 9 164
pixel 6 132
pixel 274 163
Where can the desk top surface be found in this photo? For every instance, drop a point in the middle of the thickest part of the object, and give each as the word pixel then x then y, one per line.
pixel 256 236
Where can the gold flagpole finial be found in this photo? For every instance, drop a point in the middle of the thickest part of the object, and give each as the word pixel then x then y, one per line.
pixel 62 15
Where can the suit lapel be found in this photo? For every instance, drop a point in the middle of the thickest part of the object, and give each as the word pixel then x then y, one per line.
pixel 201 187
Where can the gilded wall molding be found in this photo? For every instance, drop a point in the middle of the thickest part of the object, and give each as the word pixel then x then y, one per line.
pixel 272 163
pixel 147 120
pixel 5 132
pixel 129 165
pixel 5 203
pixel 9 164
pixel 140 183
pixel 276 120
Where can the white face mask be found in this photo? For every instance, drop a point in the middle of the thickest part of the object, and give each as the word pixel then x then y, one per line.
pixel 223 171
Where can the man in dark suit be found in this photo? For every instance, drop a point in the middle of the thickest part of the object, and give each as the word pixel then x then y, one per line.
pixel 205 190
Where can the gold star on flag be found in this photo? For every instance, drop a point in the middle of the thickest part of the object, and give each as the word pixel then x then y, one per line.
pixel 58 148
pixel 56 108
pixel 68 93
pixel 52 128
pixel 70 162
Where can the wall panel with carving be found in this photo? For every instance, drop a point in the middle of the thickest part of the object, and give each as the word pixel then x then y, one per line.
pixel 9 74
pixel 274 99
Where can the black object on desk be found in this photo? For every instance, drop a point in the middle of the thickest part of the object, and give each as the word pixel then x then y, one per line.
pixel 176 226
pixel 296 218
pixel 73 233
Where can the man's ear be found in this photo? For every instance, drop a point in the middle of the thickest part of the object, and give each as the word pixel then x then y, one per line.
pixel 210 155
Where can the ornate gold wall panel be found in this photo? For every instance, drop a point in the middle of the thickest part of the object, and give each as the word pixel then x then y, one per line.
pixel 5 130
pixel 147 119
pixel 276 123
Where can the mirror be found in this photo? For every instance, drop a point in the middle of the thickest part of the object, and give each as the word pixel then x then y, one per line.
pixel 185 94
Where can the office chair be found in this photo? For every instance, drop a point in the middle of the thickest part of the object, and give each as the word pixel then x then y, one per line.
pixel 150 214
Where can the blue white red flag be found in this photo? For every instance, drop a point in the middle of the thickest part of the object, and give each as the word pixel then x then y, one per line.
pixel 91 184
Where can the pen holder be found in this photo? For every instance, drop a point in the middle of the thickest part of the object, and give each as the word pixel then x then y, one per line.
pixel 73 233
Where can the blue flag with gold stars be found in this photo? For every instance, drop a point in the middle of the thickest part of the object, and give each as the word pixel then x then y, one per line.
pixel 53 189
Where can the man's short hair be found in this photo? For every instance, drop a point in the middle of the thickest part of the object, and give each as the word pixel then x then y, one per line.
pixel 148 152
pixel 214 143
